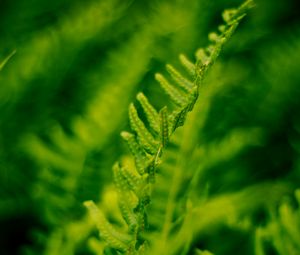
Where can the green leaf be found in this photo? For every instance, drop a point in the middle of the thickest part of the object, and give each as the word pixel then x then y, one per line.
pixel 113 237
pixel 153 164
pixel 144 136
pixel 134 181
pixel 176 95
pixel 183 82
pixel 178 118
pixel 125 196
pixel 137 152
pixel 187 64
pixel 164 126
pixel 151 113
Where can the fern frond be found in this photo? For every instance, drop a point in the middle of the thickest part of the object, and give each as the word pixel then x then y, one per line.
pixel 151 169
pixel 282 230
pixel 136 150
pixel 113 237
pixel 126 200
pixel 207 56
pixel 164 126
pixel 184 95
pixel 144 136
pixel 183 82
pixel 134 181
pixel 151 113
pixel 208 214
pixel 176 95
pixel 69 154
pixel 177 118
pixel 187 64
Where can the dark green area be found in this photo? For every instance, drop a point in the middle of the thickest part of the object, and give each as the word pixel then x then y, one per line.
pixel 64 99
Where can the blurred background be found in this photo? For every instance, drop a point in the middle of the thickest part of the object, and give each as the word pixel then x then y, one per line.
pixel 74 67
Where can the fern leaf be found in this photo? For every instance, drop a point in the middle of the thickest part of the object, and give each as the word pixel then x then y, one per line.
pixel 134 182
pixel 151 113
pixel 144 136
pixel 184 83
pixel 126 202
pixel 184 95
pixel 151 171
pixel 177 96
pixel 206 57
pixel 136 150
pixel 153 164
pixel 193 98
pixel 203 56
pixel 164 126
pixel 214 37
pixel 287 221
pixel 113 238
pixel 231 16
pixel 178 117
pixel 187 64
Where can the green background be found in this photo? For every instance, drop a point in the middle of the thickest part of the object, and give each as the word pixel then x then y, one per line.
pixel 64 97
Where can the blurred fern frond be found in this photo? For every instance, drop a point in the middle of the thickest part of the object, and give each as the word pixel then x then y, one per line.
pixel 282 231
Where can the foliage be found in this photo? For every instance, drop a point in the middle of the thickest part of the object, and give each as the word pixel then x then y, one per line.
pixel 211 165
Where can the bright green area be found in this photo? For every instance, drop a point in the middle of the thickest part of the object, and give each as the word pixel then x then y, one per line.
pixel 227 182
